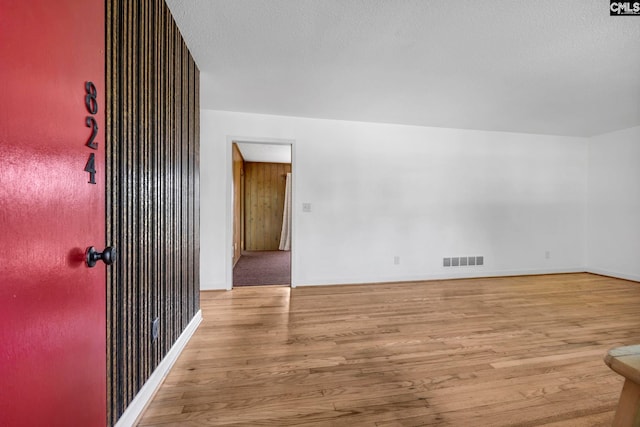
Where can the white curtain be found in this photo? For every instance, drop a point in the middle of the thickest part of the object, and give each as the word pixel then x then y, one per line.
pixel 285 235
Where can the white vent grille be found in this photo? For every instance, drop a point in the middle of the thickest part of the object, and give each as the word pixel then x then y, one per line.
pixel 463 261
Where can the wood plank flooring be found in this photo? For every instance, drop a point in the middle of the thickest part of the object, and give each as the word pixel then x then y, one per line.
pixel 516 351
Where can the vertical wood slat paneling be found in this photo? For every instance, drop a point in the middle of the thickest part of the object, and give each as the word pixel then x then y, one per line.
pixel 152 141
pixel 264 204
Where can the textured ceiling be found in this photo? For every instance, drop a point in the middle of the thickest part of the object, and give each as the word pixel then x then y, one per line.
pixel 562 67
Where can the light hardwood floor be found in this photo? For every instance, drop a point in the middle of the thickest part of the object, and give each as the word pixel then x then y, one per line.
pixel 520 351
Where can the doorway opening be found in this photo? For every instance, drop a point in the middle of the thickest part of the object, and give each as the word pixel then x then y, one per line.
pixel 261 198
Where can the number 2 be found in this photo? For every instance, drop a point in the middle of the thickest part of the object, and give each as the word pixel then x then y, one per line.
pixel 91 122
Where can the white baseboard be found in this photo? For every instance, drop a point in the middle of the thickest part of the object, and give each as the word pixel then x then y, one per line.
pixel 144 396
pixel 475 274
pixel 214 286
pixel 624 276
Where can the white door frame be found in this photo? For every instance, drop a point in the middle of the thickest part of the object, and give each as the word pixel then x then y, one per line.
pixel 229 165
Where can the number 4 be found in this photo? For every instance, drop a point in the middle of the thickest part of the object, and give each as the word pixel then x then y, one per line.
pixel 91 168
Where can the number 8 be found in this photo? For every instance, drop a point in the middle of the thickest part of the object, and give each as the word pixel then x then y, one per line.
pixel 90 99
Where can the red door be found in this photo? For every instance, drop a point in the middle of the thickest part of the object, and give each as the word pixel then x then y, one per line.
pixel 52 306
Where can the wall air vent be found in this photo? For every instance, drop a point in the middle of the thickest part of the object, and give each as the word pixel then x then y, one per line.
pixel 462 261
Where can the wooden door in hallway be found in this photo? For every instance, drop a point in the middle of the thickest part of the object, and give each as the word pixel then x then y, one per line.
pixel 264 204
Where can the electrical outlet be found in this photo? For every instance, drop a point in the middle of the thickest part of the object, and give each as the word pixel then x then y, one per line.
pixel 306 207
pixel 396 260
pixel 547 254
pixel 155 328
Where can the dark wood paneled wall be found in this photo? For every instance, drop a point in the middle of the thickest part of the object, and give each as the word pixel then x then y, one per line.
pixel 152 141
pixel 238 203
pixel 264 204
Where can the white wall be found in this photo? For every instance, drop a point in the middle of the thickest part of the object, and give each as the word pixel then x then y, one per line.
pixel 380 190
pixel 613 244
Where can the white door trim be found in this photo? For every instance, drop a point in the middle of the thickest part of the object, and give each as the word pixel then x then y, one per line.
pixel 229 202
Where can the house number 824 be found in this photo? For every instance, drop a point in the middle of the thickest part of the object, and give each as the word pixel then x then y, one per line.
pixel 91 102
